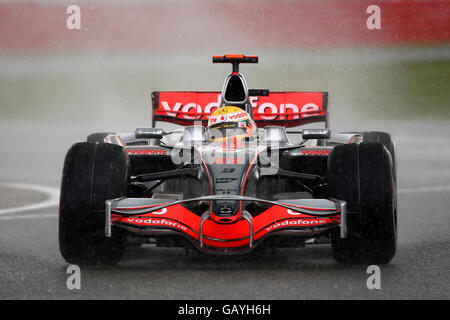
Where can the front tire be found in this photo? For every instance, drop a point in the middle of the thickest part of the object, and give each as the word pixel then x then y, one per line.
pixel 92 174
pixel 385 139
pixel 362 175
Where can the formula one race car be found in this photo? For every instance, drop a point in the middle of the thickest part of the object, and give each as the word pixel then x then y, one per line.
pixel 231 179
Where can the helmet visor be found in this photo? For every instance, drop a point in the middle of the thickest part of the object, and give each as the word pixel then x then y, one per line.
pixel 228 130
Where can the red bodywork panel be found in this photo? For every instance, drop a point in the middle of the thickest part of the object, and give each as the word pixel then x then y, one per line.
pixel 288 109
pixel 219 235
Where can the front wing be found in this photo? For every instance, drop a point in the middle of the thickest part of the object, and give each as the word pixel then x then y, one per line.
pixel 153 217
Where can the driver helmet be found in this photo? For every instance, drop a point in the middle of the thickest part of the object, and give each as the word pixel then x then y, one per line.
pixel 230 123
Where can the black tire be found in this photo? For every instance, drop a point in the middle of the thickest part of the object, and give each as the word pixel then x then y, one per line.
pixel 98 136
pixel 362 175
pixel 385 139
pixel 92 174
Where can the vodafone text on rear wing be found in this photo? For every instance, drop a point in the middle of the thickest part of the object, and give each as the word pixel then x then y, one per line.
pixel 289 109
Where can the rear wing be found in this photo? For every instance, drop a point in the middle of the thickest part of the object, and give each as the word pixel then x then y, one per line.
pixel 288 109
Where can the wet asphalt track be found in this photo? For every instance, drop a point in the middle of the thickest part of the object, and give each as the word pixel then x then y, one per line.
pixel 32 268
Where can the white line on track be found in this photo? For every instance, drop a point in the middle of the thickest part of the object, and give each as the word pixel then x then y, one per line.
pixel 51 201
pixel 30 216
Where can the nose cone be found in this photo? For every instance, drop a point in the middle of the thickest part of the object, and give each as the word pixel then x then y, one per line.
pixel 226 212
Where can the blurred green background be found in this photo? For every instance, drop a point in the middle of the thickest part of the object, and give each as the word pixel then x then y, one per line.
pixel 104 73
pixel 102 88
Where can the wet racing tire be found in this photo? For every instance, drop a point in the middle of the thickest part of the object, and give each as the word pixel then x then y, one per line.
pixel 92 174
pixel 363 176
pixel 385 139
pixel 98 136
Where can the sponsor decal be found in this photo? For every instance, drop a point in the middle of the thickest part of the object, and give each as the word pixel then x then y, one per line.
pixel 237 115
pixel 162 211
pixel 146 151
pixel 222 110
pixel 276 106
pixel 156 222
pixel 212 120
pixel 297 222
pixel 294 213
pixel 316 152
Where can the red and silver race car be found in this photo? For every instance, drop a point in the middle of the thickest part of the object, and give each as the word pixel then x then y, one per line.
pixel 231 179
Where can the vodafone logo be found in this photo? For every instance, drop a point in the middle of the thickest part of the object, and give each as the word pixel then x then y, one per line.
pixel 316 152
pixel 276 106
pixel 231 117
pixel 296 223
pixel 270 111
pixel 293 213
pixel 145 152
pixel 162 211
pixel 188 110
pixel 237 115
pixel 156 222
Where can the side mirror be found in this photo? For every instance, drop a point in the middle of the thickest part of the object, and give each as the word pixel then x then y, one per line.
pixel 276 136
pixel 149 133
pixel 316 134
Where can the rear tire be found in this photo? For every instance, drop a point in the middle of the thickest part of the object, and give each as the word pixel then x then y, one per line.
pixel 362 175
pixel 98 137
pixel 385 139
pixel 92 174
